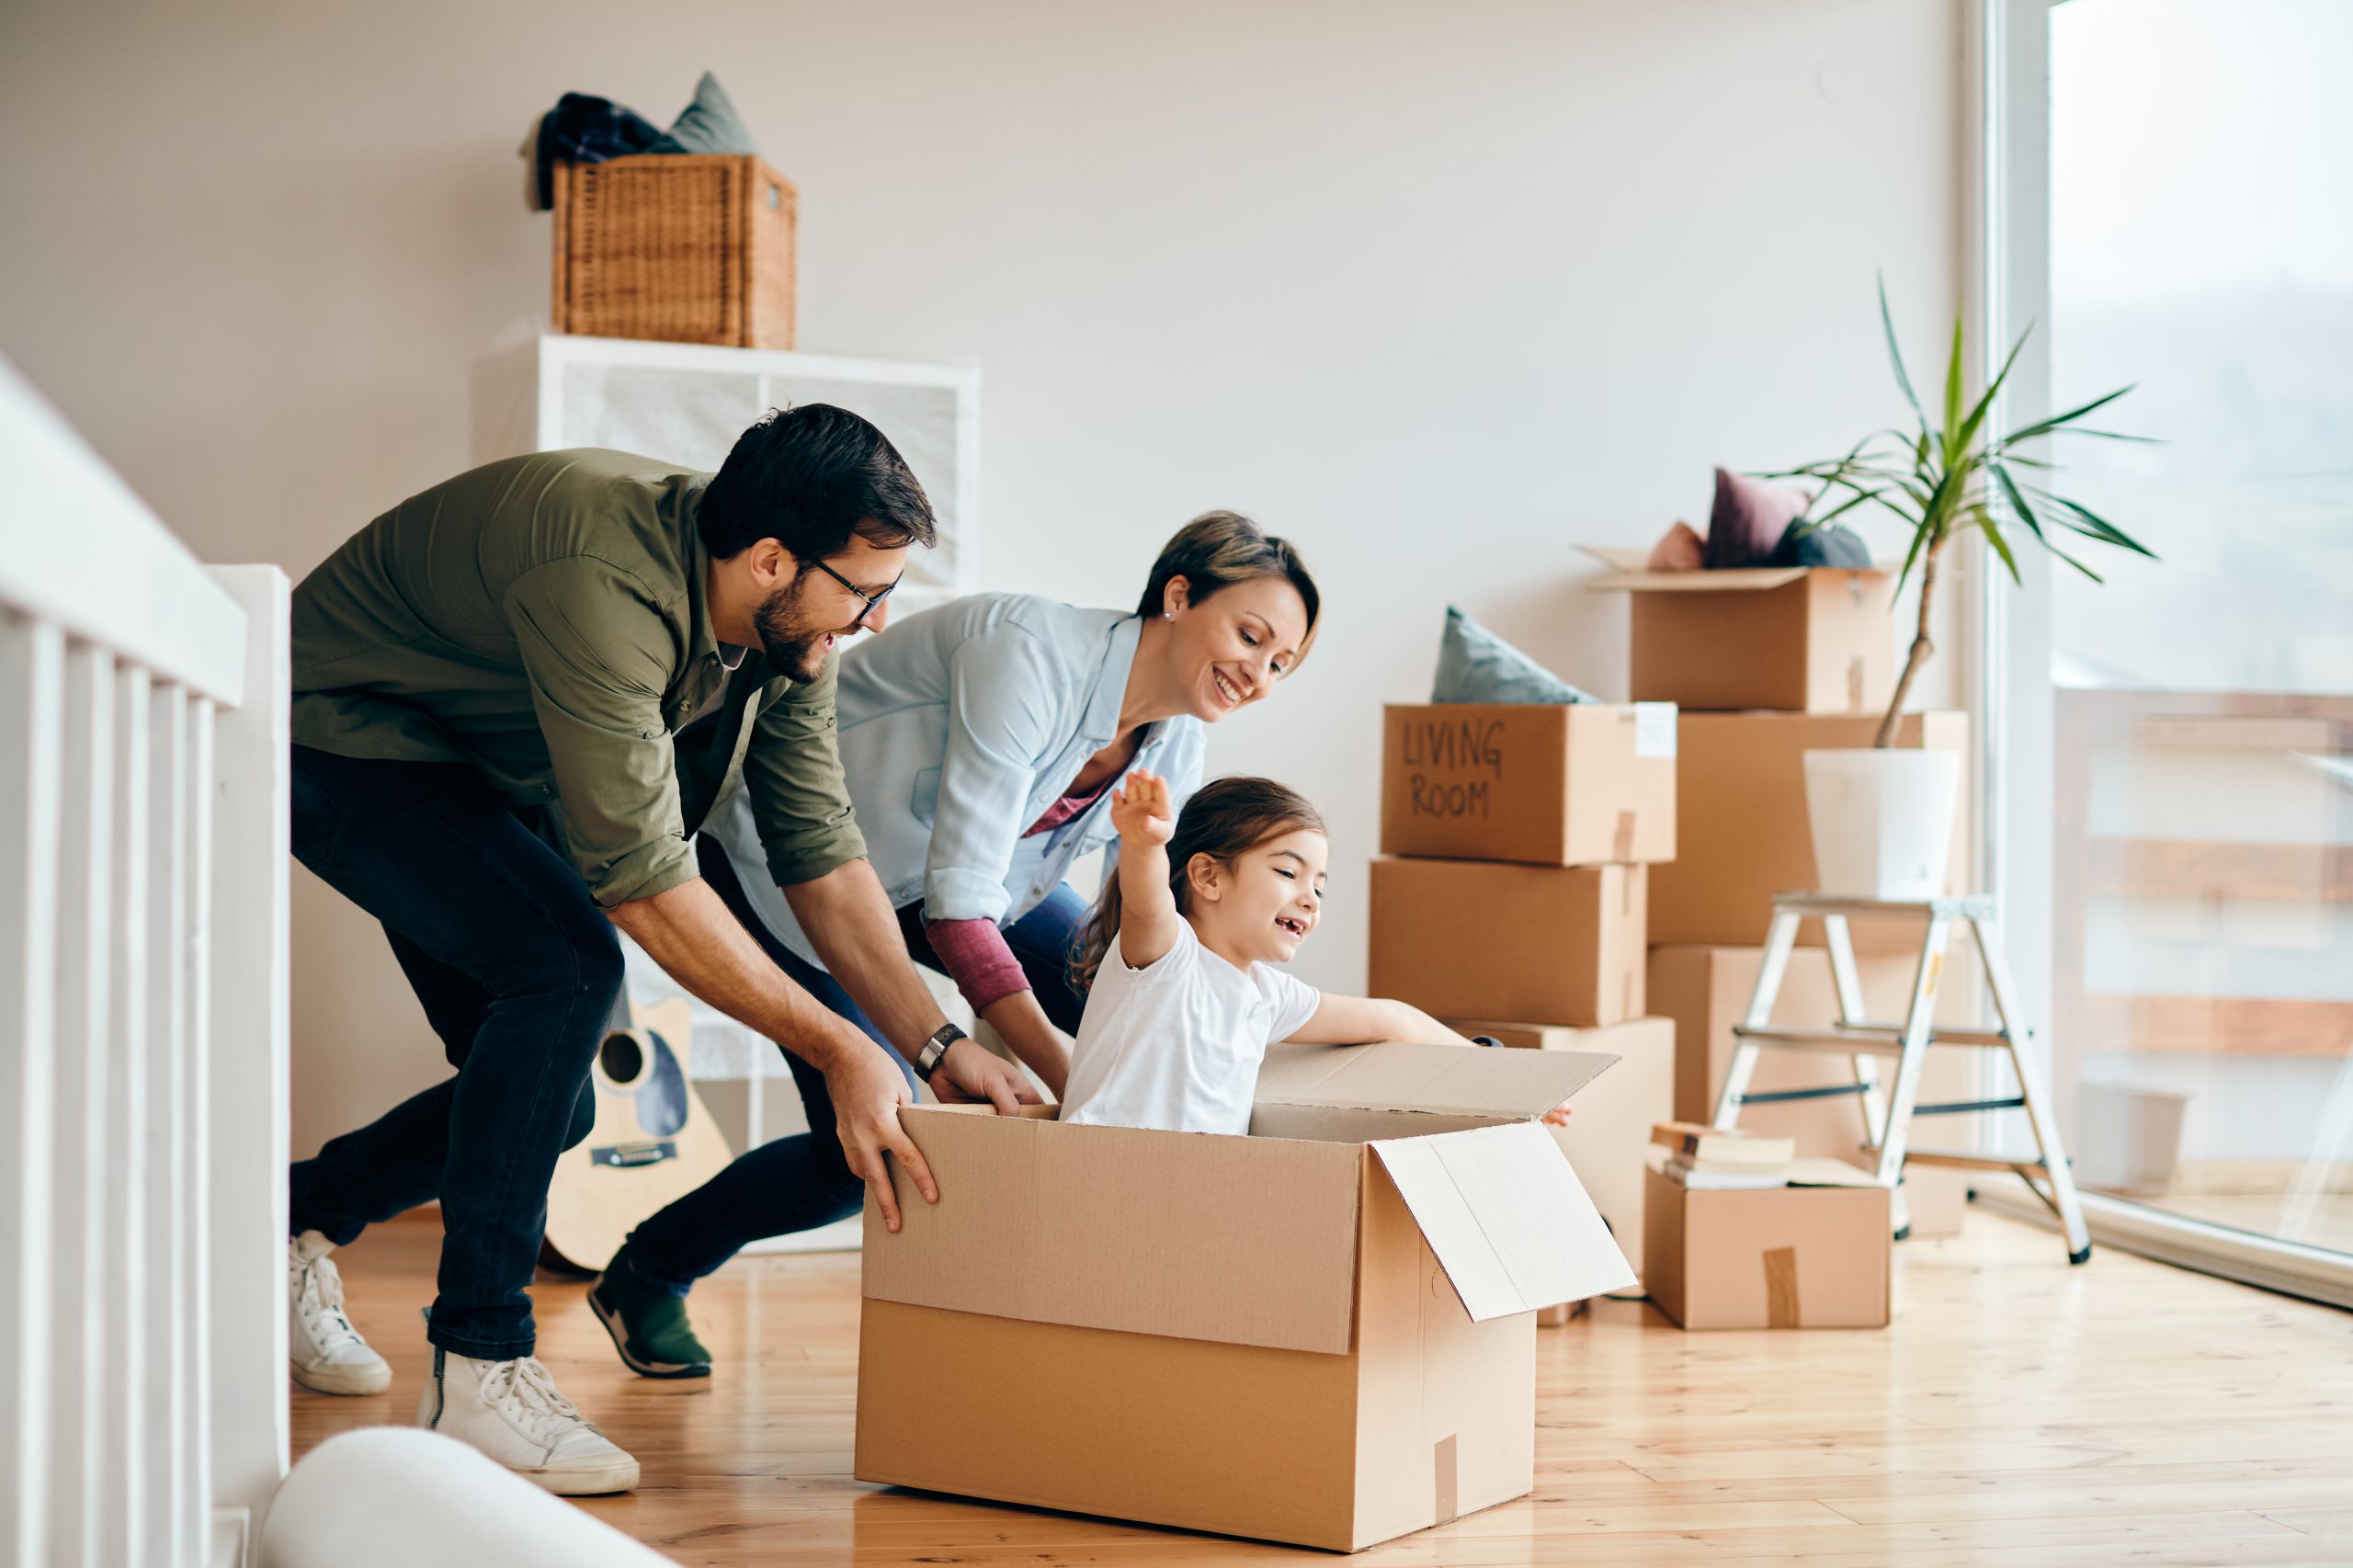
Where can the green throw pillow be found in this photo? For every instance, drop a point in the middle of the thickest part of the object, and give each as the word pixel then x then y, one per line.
pixel 710 124
pixel 1476 665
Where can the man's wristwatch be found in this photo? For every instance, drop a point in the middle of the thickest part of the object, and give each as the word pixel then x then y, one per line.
pixel 927 1059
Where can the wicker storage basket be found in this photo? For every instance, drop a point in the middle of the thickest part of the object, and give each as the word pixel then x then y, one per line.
pixel 687 248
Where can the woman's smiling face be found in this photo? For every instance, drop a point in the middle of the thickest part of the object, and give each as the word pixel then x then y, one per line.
pixel 1228 650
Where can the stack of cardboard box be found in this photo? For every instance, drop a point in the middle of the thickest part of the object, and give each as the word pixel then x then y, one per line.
pixel 1766 664
pixel 1518 841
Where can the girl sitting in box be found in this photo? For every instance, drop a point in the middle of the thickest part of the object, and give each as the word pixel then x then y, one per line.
pixel 1184 956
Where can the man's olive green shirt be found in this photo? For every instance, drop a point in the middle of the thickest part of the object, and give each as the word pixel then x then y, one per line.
pixel 545 619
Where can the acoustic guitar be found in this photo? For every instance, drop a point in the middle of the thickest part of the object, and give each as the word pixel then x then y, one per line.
pixel 653 1142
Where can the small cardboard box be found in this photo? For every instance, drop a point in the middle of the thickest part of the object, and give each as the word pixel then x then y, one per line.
pixel 1611 1119
pixel 1936 1200
pixel 1782 1257
pixel 1481 938
pixel 1554 785
pixel 1322 1332
pixel 2128 1136
pixel 1803 639
pixel 1742 833
pixel 1705 991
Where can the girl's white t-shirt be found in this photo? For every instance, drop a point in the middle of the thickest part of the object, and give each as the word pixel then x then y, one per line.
pixel 1178 1046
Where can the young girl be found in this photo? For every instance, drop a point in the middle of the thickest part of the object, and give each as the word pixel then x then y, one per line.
pixel 1186 949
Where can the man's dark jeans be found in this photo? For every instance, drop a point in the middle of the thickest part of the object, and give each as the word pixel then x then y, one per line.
pixel 519 973
pixel 799 1183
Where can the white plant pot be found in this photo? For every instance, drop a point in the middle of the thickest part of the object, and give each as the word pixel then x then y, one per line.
pixel 1882 821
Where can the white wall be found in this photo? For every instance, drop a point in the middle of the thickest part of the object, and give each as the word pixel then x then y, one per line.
pixel 1439 290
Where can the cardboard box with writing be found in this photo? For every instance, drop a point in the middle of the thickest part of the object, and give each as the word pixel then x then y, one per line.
pixel 1579 784
pixel 1485 939
pixel 1322 1332
pixel 1608 1136
pixel 1803 639
pixel 1783 1257
pixel 1742 833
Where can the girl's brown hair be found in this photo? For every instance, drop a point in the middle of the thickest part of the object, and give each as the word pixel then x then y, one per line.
pixel 1218 549
pixel 1225 819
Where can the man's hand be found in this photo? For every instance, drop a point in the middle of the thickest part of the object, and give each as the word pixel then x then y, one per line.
pixel 969 1074
pixel 867 1092
pixel 1141 812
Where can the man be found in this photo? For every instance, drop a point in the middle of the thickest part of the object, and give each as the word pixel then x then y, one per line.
pixel 517 695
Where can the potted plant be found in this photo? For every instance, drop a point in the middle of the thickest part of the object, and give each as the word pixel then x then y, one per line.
pixel 1883 818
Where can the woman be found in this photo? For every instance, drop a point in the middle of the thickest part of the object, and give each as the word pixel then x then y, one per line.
pixel 980 741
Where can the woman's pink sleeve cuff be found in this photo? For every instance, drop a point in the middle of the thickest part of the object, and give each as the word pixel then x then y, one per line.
pixel 976 958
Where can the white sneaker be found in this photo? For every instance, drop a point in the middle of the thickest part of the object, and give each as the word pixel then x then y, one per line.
pixel 512 1411
pixel 323 1350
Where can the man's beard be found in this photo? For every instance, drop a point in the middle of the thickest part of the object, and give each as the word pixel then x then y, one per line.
pixel 790 643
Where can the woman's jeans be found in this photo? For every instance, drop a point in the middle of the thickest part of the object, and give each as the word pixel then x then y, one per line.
pixel 519 973
pixel 805 1181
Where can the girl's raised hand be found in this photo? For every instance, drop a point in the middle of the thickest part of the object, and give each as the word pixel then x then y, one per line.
pixel 1142 811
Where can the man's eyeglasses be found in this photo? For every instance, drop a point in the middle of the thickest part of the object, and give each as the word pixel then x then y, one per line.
pixel 867 601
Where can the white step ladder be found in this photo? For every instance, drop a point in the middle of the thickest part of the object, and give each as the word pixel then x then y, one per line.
pixel 1888 1126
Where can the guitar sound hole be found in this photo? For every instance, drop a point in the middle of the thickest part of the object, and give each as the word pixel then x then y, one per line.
pixel 622 1058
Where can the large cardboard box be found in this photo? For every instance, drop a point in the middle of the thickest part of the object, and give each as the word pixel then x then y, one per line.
pixel 1741 829
pixel 1608 1135
pixel 1783 1257
pixel 1483 940
pixel 1322 1332
pixel 1804 640
pixel 1554 785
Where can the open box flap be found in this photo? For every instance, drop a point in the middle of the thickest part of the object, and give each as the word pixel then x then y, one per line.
pixel 1241 1240
pixel 1507 1219
pixel 1629 573
pixel 1449 1078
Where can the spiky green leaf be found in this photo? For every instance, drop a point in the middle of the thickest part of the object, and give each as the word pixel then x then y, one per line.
pixel 1983 518
pixel 2045 427
pixel 1887 321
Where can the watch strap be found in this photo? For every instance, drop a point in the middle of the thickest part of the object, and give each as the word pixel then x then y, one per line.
pixel 927 1059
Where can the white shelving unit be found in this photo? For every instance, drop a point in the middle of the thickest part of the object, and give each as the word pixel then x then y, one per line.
pixel 686 403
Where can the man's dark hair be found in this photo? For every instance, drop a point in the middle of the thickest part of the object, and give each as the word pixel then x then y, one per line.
pixel 809 478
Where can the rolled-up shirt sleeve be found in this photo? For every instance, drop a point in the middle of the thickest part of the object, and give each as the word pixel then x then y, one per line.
pixel 597 654
pixel 792 773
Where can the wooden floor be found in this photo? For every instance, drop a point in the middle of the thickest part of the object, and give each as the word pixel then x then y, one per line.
pixel 2018 1412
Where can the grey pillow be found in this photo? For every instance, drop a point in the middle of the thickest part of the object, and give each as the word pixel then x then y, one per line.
pixel 710 124
pixel 1833 544
pixel 1476 665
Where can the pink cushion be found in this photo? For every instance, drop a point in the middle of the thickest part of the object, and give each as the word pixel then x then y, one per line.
pixel 1678 550
pixel 1749 518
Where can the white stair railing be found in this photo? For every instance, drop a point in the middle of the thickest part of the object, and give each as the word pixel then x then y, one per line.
pixel 143 923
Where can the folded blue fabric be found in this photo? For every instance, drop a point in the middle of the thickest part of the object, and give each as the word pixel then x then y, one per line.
pixel 1476 665
pixel 710 124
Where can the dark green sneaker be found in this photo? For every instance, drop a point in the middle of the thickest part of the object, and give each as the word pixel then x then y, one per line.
pixel 647 1324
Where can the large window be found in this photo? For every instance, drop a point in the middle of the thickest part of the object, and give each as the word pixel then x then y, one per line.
pixel 2200 888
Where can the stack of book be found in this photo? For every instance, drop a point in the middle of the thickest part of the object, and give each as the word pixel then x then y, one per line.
pixel 1702 1158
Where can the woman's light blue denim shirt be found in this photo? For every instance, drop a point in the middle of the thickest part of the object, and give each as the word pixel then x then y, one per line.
pixel 958 727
